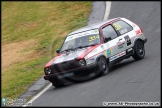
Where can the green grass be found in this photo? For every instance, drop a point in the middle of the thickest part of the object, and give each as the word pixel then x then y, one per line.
pixel 47 23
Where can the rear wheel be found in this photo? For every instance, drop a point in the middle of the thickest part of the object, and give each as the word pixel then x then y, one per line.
pixel 139 50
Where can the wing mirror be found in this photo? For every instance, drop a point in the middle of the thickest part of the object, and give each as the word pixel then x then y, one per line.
pixel 58 50
pixel 107 39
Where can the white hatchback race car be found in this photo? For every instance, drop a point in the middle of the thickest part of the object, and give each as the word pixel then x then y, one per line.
pixel 87 53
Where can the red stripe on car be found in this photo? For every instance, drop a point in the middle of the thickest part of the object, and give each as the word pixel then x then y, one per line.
pixel 49 63
pixel 87 51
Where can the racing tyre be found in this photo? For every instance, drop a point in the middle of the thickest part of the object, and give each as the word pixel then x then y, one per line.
pixel 101 69
pixel 57 83
pixel 102 66
pixel 139 51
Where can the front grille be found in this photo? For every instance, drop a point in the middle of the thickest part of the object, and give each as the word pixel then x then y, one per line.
pixel 66 66
pixel 57 68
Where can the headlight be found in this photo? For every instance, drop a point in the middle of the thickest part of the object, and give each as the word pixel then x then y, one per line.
pixel 90 61
pixel 82 62
pixel 47 71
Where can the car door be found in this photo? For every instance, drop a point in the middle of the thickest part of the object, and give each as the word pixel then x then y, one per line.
pixel 114 46
pixel 124 30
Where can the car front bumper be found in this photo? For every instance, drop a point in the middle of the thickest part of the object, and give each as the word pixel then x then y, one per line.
pixel 71 72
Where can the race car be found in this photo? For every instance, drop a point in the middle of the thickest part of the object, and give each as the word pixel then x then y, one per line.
pixel 88 52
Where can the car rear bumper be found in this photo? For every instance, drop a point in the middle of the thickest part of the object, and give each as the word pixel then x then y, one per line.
pixel 145 40
pixel 71 72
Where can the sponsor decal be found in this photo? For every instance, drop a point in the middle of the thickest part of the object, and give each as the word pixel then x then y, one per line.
pixel 70 38
pixel 91 32
pixel 117 56
pixel 96 31
pixel 91 59
pixel 128 40
pixel 111 59
pixel 120 45
pixel 105 53
pixel 109 51
pixel 123 31
pixel 121 54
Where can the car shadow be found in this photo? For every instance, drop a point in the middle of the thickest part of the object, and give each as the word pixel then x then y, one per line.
pixel 112 68
pixel 121 65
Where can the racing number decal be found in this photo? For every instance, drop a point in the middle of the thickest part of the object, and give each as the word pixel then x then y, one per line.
pixel 117 26
pixel 127 39
pixel 91 38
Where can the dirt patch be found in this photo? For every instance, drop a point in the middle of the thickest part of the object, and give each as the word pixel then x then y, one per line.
pixel 16 52
pixel 30 25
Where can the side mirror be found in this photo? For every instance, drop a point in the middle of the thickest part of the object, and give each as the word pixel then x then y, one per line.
pixel 58 50
pixel 107 39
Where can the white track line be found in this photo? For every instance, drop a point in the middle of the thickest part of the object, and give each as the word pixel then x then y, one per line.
pixel 40 93
pixel 107 11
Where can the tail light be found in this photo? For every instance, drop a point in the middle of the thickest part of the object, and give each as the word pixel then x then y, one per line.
pixel 141 29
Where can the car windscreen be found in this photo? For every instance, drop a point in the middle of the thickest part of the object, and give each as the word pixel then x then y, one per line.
pixel 82 39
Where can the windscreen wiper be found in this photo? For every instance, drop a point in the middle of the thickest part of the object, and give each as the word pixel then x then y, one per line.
pixel 67 49
pixel 82 47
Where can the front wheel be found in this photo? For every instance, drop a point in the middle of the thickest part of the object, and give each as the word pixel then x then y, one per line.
pixel 139 50
pixel 103 66
pixel 57 83
pixel 101 69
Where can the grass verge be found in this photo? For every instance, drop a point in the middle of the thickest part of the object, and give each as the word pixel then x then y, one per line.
pixel 31 32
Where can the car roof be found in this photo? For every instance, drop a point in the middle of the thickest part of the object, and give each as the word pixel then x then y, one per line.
pixel 92 26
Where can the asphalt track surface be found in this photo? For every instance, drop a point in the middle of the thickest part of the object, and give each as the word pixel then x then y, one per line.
pixel 130 80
